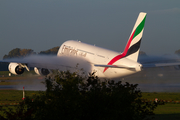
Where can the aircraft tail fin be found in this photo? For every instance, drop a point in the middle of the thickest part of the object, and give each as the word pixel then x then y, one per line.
pixel 132 48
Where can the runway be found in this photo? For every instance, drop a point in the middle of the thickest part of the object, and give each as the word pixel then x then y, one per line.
pixel 166 79
pixel 159 87
pixel 29 84
pixel 142 87
pixel 151 80
pixel 150 87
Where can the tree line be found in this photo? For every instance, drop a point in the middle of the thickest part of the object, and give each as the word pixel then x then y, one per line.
pixel 19 53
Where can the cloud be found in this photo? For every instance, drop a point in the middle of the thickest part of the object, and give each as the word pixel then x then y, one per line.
pixel 167 11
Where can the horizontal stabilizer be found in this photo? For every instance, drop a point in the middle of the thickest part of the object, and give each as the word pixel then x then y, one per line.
pixel 160 65
pixel 116 66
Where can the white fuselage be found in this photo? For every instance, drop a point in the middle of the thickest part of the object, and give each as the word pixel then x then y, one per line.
pixel 75 56
pixel 96 55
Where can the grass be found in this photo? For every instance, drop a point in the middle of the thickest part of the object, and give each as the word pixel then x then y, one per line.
pixel 168 109
pixel 13 96
pixel 162 96
pixel 167 112
pixel 167 117
pixel 16 95
pixel 10 96
pixel 162 112
pixel 8 83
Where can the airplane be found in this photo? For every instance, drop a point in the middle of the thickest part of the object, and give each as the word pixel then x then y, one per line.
pixel 103 62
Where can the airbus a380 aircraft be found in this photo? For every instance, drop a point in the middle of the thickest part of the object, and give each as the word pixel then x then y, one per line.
pixel 105 63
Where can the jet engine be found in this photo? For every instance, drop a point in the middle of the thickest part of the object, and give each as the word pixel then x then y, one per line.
pixel 41 71
pixel 15 68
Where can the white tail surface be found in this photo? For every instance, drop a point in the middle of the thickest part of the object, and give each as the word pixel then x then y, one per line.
pixel 132 48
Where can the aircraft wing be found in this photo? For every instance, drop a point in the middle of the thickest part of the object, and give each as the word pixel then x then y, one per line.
pixel 37 61
pixel 48 62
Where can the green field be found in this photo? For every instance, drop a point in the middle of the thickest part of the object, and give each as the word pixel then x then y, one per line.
pixel 170 110
pixel 14 96
pixel 162 96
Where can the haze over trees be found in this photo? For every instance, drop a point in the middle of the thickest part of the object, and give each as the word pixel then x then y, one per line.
pixel 142 53
pixel 177 52
pixel 19 53
pixel 52 51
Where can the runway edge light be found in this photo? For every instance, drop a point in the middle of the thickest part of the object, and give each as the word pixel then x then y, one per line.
pixel 23 94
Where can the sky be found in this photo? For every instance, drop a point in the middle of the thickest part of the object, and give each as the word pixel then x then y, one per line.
pixel 43 24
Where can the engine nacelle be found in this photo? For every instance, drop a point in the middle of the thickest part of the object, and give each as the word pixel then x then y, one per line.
pixel 15 69
pixel 41 71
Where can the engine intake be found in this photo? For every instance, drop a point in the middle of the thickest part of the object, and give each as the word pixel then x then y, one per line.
pixel 15 69
pixel 41 71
